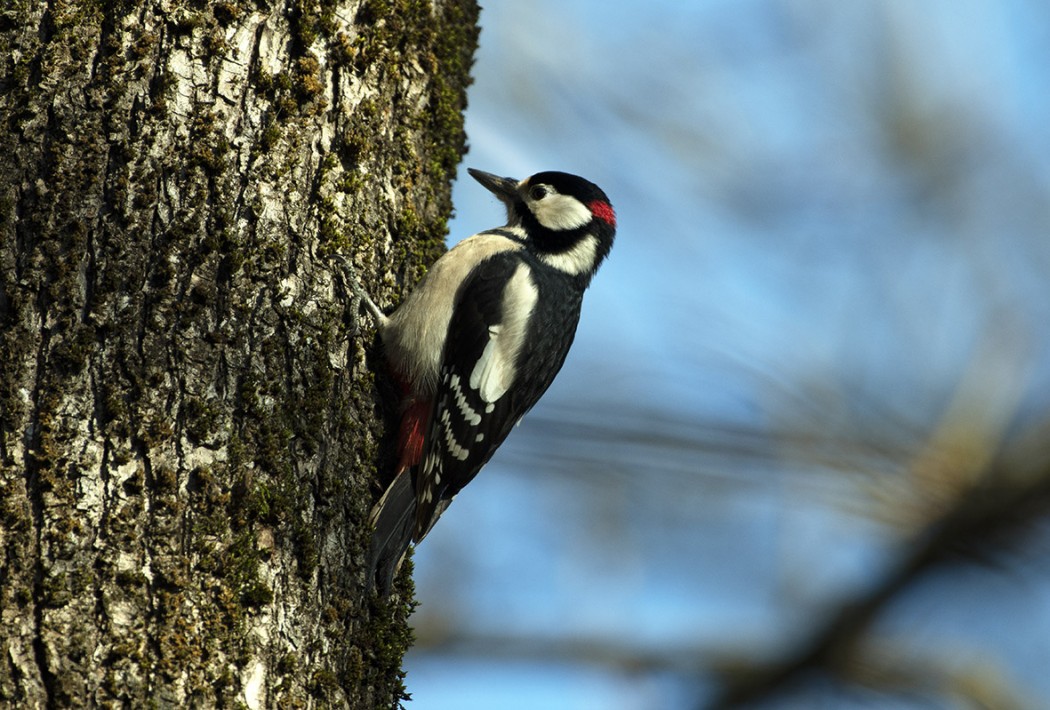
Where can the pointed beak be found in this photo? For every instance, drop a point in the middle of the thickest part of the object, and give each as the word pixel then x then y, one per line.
pixel 502 187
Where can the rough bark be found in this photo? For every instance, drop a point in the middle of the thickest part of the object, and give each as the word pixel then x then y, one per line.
pixel 191 433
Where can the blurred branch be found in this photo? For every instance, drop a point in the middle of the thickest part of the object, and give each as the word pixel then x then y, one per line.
pixel 624 656
pixel 570 442
pixel 998 507
pixel 974 677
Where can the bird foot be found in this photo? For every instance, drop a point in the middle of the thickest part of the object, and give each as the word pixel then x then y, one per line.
pixel 353 281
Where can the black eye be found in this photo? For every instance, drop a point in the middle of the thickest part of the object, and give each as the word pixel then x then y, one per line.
pixel 537 192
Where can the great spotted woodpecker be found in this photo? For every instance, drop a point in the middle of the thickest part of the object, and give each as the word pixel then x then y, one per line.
pixel 477 343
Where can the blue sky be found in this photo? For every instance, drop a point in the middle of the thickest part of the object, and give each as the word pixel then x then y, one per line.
pixel 832 220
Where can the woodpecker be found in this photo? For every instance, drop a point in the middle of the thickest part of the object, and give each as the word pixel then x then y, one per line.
pixel 478 341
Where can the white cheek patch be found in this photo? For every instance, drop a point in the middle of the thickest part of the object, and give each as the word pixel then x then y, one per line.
pixel 578 260
pixel 560 212
pixel 495 370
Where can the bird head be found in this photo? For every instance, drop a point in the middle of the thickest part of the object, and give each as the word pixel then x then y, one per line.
pixel 568 221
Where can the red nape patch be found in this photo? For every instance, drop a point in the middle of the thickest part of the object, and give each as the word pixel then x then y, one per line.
pixel 603 211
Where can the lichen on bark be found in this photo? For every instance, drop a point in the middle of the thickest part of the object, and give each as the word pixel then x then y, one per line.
pixel 192 422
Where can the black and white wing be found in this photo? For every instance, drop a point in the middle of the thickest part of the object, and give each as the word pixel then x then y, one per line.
pixel 505 345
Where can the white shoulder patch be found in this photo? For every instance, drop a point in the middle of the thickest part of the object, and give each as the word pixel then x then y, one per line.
pixel 495 370
pixel 578 260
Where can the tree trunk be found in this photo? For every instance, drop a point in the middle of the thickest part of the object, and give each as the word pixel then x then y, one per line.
pixel 191 435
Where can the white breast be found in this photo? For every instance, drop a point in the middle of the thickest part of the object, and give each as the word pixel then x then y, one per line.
pixel 414 334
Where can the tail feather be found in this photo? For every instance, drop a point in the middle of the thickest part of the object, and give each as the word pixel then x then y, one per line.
pixel 394 521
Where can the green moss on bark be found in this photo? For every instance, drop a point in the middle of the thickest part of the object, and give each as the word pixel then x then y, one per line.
pixel 191 428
